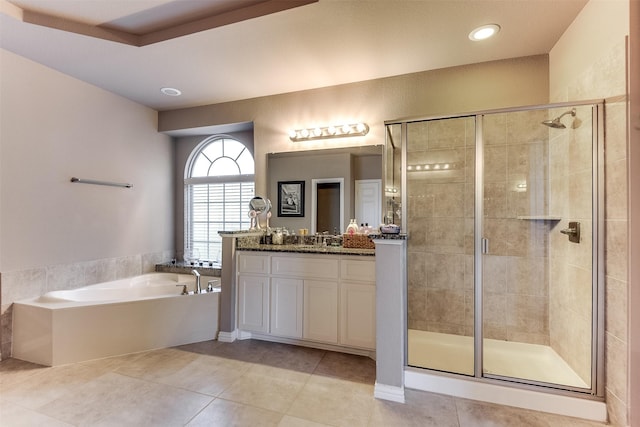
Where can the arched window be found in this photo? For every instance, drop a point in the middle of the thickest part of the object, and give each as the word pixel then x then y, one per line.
pixel 219 182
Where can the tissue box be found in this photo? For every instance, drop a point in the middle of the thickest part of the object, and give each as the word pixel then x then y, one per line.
pixel 357 241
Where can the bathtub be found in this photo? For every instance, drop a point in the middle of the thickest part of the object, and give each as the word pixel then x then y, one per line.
pixel 113 318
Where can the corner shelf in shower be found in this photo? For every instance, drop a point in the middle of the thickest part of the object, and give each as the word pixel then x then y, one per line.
pixel 541 218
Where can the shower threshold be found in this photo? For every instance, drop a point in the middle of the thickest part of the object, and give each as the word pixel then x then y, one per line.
pixel 454 353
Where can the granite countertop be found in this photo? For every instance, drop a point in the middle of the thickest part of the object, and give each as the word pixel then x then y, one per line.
pixel 388 236
pixel 309 249
pixel 182 267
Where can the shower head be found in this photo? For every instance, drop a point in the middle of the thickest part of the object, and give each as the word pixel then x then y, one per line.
pixel 556 123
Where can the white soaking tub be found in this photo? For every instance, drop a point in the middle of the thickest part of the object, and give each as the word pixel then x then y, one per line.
pixel 112 318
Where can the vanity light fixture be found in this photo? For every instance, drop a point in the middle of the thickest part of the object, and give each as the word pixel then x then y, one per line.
pixel 432 167
pixel 323 132
pixel 484 32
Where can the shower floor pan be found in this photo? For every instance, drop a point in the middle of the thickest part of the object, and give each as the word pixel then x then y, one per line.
pixel 454 353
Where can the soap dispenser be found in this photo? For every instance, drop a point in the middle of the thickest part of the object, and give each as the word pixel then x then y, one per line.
pixel 352 228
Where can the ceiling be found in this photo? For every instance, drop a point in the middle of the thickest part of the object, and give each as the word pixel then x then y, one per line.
pixel 225 50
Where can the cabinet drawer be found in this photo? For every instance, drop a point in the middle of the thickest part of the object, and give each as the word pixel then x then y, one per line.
pixel 360 270
pixel 316 267
pixel 256 264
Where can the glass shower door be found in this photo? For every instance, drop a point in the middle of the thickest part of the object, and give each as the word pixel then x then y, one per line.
pixel 440 219
pixel 537 275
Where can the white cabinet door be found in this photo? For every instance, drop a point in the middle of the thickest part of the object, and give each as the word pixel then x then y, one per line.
pixel 321 311
pixel 286 307
pixel 253 303
pixel 358 314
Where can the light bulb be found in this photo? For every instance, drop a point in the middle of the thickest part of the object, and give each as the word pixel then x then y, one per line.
pixel 293 134
pixel 484 32
pixel 304 133
pixel 346 129
pixel 332 130
pixel 317 132
pixel 361 127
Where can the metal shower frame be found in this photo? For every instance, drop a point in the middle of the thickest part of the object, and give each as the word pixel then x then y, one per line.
pixel 597 389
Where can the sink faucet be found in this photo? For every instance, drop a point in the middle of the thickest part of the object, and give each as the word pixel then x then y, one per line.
pixel 197 290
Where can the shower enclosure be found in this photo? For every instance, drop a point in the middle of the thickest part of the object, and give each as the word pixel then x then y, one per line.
pixel 503 214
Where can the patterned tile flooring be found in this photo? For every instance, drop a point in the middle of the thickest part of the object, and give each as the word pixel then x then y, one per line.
pixel 245 383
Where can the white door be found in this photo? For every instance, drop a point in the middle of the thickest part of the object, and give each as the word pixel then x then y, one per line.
pixel 368 201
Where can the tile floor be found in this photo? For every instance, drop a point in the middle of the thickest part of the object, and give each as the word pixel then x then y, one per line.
pixel 245 383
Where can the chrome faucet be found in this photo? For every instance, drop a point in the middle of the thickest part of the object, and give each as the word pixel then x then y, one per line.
pixel 197 290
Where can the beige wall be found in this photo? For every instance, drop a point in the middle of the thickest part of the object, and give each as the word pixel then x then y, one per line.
pixel 55 127
pixel 468 88
pixel 599 26
pixel 589 62
pixel 56 234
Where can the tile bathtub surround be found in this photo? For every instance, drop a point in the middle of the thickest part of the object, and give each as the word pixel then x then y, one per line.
pixel 245 383
pixel 31 283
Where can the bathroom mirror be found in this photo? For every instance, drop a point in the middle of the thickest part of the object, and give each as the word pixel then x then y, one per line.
pixel 349 164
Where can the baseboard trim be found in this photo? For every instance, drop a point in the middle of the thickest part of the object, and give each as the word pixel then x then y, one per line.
pixel 389 392
pixel 224 336
pixel 520 398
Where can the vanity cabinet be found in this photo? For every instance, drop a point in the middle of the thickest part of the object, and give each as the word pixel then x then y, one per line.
pixel 327 299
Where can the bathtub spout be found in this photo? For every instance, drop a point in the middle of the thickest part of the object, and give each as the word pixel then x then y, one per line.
pixel 198 289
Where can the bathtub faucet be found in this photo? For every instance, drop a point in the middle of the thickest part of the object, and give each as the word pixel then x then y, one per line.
pixel 197 290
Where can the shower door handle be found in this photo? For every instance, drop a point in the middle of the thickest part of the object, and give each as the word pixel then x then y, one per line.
pixel 573 232
pixel 485 245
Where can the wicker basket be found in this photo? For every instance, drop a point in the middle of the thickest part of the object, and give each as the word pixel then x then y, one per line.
pixel 357 241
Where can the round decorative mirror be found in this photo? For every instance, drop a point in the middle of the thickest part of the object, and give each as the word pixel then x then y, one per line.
pixel 260 205
pixel 259 212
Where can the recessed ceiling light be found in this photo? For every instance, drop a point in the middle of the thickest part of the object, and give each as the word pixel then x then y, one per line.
pixel 484 32
pixel 169 91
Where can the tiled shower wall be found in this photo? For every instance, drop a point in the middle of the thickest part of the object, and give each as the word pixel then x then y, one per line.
pixel 570 284
pixel 440 222
pixel 606 78
pixel 17 285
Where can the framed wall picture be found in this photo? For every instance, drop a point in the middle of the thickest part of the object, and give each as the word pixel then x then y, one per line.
pixel 291 198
